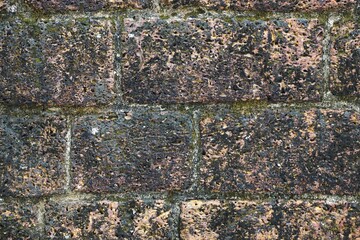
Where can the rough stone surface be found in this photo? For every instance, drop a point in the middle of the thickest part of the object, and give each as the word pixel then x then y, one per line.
pixel 136 150
pixel 253 220
pixel 79 56
pixel 18 221
pixel 227 220
pixel 2 5
pixel 108 220
pixel 345 59
pixel 32 155
pixel 281 151
pixel 265 5
pixel 57 62
pixel 220 59
pixel 87 5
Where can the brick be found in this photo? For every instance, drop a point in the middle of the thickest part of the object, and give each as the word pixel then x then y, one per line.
pixel 18 221
pixel 221 60
pixel 87 5
pixel 79 61
pixel 108 220
pixel 32 153
pixel 57 62
pixel 138 150
pixel 345 60
pixel 255 220
pixel 281 151
pixel 264 5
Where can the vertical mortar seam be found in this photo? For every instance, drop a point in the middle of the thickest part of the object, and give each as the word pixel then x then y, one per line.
pixel 327 95
pixel 68 138
pixel 118 57
pixel 40 217
pixel 196 144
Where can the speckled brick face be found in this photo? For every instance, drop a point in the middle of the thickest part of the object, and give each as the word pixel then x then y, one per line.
pixel 108 220
pixel 18 221
pixel 87 5
pixel 131 151
pixel 79 61
pixel 265 5
pixel 345 59
pixel 32 155
pixel 255 220
pixel 221 60
pixel 61 62
pixel 280 151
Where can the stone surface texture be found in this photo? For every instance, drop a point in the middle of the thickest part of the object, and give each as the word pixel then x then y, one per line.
pixel 131 151
pixel 281 151
pixel 221 60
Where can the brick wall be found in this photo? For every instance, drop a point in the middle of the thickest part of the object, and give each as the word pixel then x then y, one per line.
pixel 179 119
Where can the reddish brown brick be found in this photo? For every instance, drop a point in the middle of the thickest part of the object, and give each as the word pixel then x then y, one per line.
pixel 32 153
pixel 221 60
pixel 133 150
pixel 255 220
pixel 108 220
pixel 79 61
pixel 57 62
pixel 345 59
pixel 87 5
pixel 18 221
pixel 265 5
pixel 281 151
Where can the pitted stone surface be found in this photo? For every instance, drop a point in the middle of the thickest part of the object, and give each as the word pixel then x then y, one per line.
pixel 18 221
pixel 345 59
pixel 57 62
pixel 221 60
pixel 137 150
pixel 261 220
pixel 108 220
pixel 265 5
pixel 281 151
pixel 32 153
pixel 87 5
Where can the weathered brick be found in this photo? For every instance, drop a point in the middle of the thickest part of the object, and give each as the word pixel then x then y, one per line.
pixel 281 151
pixel 2 5
pixel 18 221
pixel 319 220
pixel 79 61
pixel 87 5
pixel 253 220
pixel 109 220
pixel 131 151
pixel 57 62
pixel 345 60
pixel 227 220
pixel 32 155
pixel 217 59
pixel 265 5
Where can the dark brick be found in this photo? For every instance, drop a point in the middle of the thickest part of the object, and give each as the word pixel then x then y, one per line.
pixel 87 5
pixel 265 5
pixel 253 220
pixel 108 220
pixel 18 221
pixel 131 151
pixel 345 60
pixel 205 60
pixel 281 151
pixel 79 61
pixel 32 153
pixel 57 62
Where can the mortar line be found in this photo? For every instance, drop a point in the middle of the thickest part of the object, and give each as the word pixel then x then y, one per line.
pixel 41 217
pixel 327 96
pixel 67 156
pixel 196 144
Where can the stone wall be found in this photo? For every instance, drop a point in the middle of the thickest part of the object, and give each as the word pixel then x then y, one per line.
pixel 179 119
